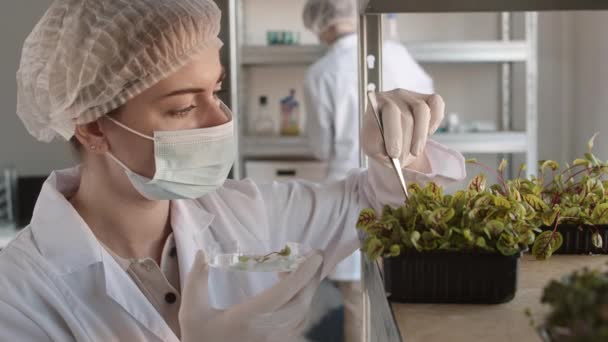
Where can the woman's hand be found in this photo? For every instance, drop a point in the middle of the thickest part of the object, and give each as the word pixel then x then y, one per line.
pixel 277 314
pixel 408 119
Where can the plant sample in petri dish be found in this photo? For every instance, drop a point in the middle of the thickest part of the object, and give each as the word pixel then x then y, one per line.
pixel 260 258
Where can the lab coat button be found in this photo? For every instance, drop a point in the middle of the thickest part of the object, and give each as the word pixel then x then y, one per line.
pixel 170 297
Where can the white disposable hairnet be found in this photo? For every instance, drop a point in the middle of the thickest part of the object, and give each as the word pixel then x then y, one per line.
pixel 86 58
pixel 320 15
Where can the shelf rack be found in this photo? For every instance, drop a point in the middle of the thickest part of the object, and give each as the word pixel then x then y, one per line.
pixel 423 52
pixel 503 51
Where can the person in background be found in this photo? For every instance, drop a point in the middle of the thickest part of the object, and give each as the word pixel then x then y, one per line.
pixel 332 102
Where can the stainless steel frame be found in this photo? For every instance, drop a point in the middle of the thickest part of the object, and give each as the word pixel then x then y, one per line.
pixel 506 121
pixel 532 92
pixel 229 57
pixel 379 324
pixel 506 76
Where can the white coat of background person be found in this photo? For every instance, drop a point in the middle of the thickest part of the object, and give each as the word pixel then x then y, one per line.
pixel 332 101
pixel 117 247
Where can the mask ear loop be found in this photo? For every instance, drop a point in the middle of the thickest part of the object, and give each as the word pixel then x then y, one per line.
pixel 226 110
pixel 116 160
pixel 129 129
pixel 121 164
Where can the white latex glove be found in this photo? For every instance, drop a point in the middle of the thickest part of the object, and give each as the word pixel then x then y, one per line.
pixel 277 314
pixel 408 119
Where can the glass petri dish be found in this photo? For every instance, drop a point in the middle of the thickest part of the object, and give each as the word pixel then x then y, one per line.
pixel 238 257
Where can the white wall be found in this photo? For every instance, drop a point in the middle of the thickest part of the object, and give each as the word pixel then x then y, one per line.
pixel 590 82
pixel 17 147
pixel 555 85
pixel 264 15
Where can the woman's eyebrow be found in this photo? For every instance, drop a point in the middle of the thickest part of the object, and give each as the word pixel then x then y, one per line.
pixel 194 90
pixel 183 91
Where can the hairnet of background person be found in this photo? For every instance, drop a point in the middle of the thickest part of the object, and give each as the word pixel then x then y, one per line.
pixel 321 15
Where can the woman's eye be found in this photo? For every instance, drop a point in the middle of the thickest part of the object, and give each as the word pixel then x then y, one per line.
pixel 183 112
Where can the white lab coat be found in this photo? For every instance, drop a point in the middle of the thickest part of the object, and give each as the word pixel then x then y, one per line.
pixel 57 283
pixel 332 103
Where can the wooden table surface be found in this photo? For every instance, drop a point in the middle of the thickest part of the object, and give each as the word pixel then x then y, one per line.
pixel 491 323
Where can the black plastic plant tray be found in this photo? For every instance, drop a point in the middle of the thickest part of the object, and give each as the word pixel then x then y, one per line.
pixel 577 239
pixel 451 277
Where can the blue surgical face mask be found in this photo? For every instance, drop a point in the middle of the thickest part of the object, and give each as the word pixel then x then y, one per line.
pixel 189 163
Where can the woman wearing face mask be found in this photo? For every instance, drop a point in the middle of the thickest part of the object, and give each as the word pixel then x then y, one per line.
pixel 116 249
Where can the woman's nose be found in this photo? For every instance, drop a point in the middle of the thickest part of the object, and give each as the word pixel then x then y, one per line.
pixel 215 116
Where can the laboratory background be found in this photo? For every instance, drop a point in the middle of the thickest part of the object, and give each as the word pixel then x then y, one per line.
pixel 479 62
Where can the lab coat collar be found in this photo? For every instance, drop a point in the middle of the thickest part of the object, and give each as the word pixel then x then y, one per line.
pixel 191 231
pixel 62 236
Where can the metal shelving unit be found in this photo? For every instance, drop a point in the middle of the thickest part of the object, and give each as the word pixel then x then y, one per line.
pixel 505 52
pixel 379 324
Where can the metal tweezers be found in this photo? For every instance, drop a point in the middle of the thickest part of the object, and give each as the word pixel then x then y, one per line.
pixel 395 161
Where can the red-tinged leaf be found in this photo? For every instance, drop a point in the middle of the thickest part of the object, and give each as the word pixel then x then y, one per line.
pixel 367 217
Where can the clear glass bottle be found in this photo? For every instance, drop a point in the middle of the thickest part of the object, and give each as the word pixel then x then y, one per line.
pixel 264 123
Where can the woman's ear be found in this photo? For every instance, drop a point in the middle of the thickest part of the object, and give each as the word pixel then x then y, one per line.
pixel 92 137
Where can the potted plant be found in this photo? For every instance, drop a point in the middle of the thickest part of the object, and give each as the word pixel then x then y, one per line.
pixel 571 204
pixel 451 248
pixel 578 308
